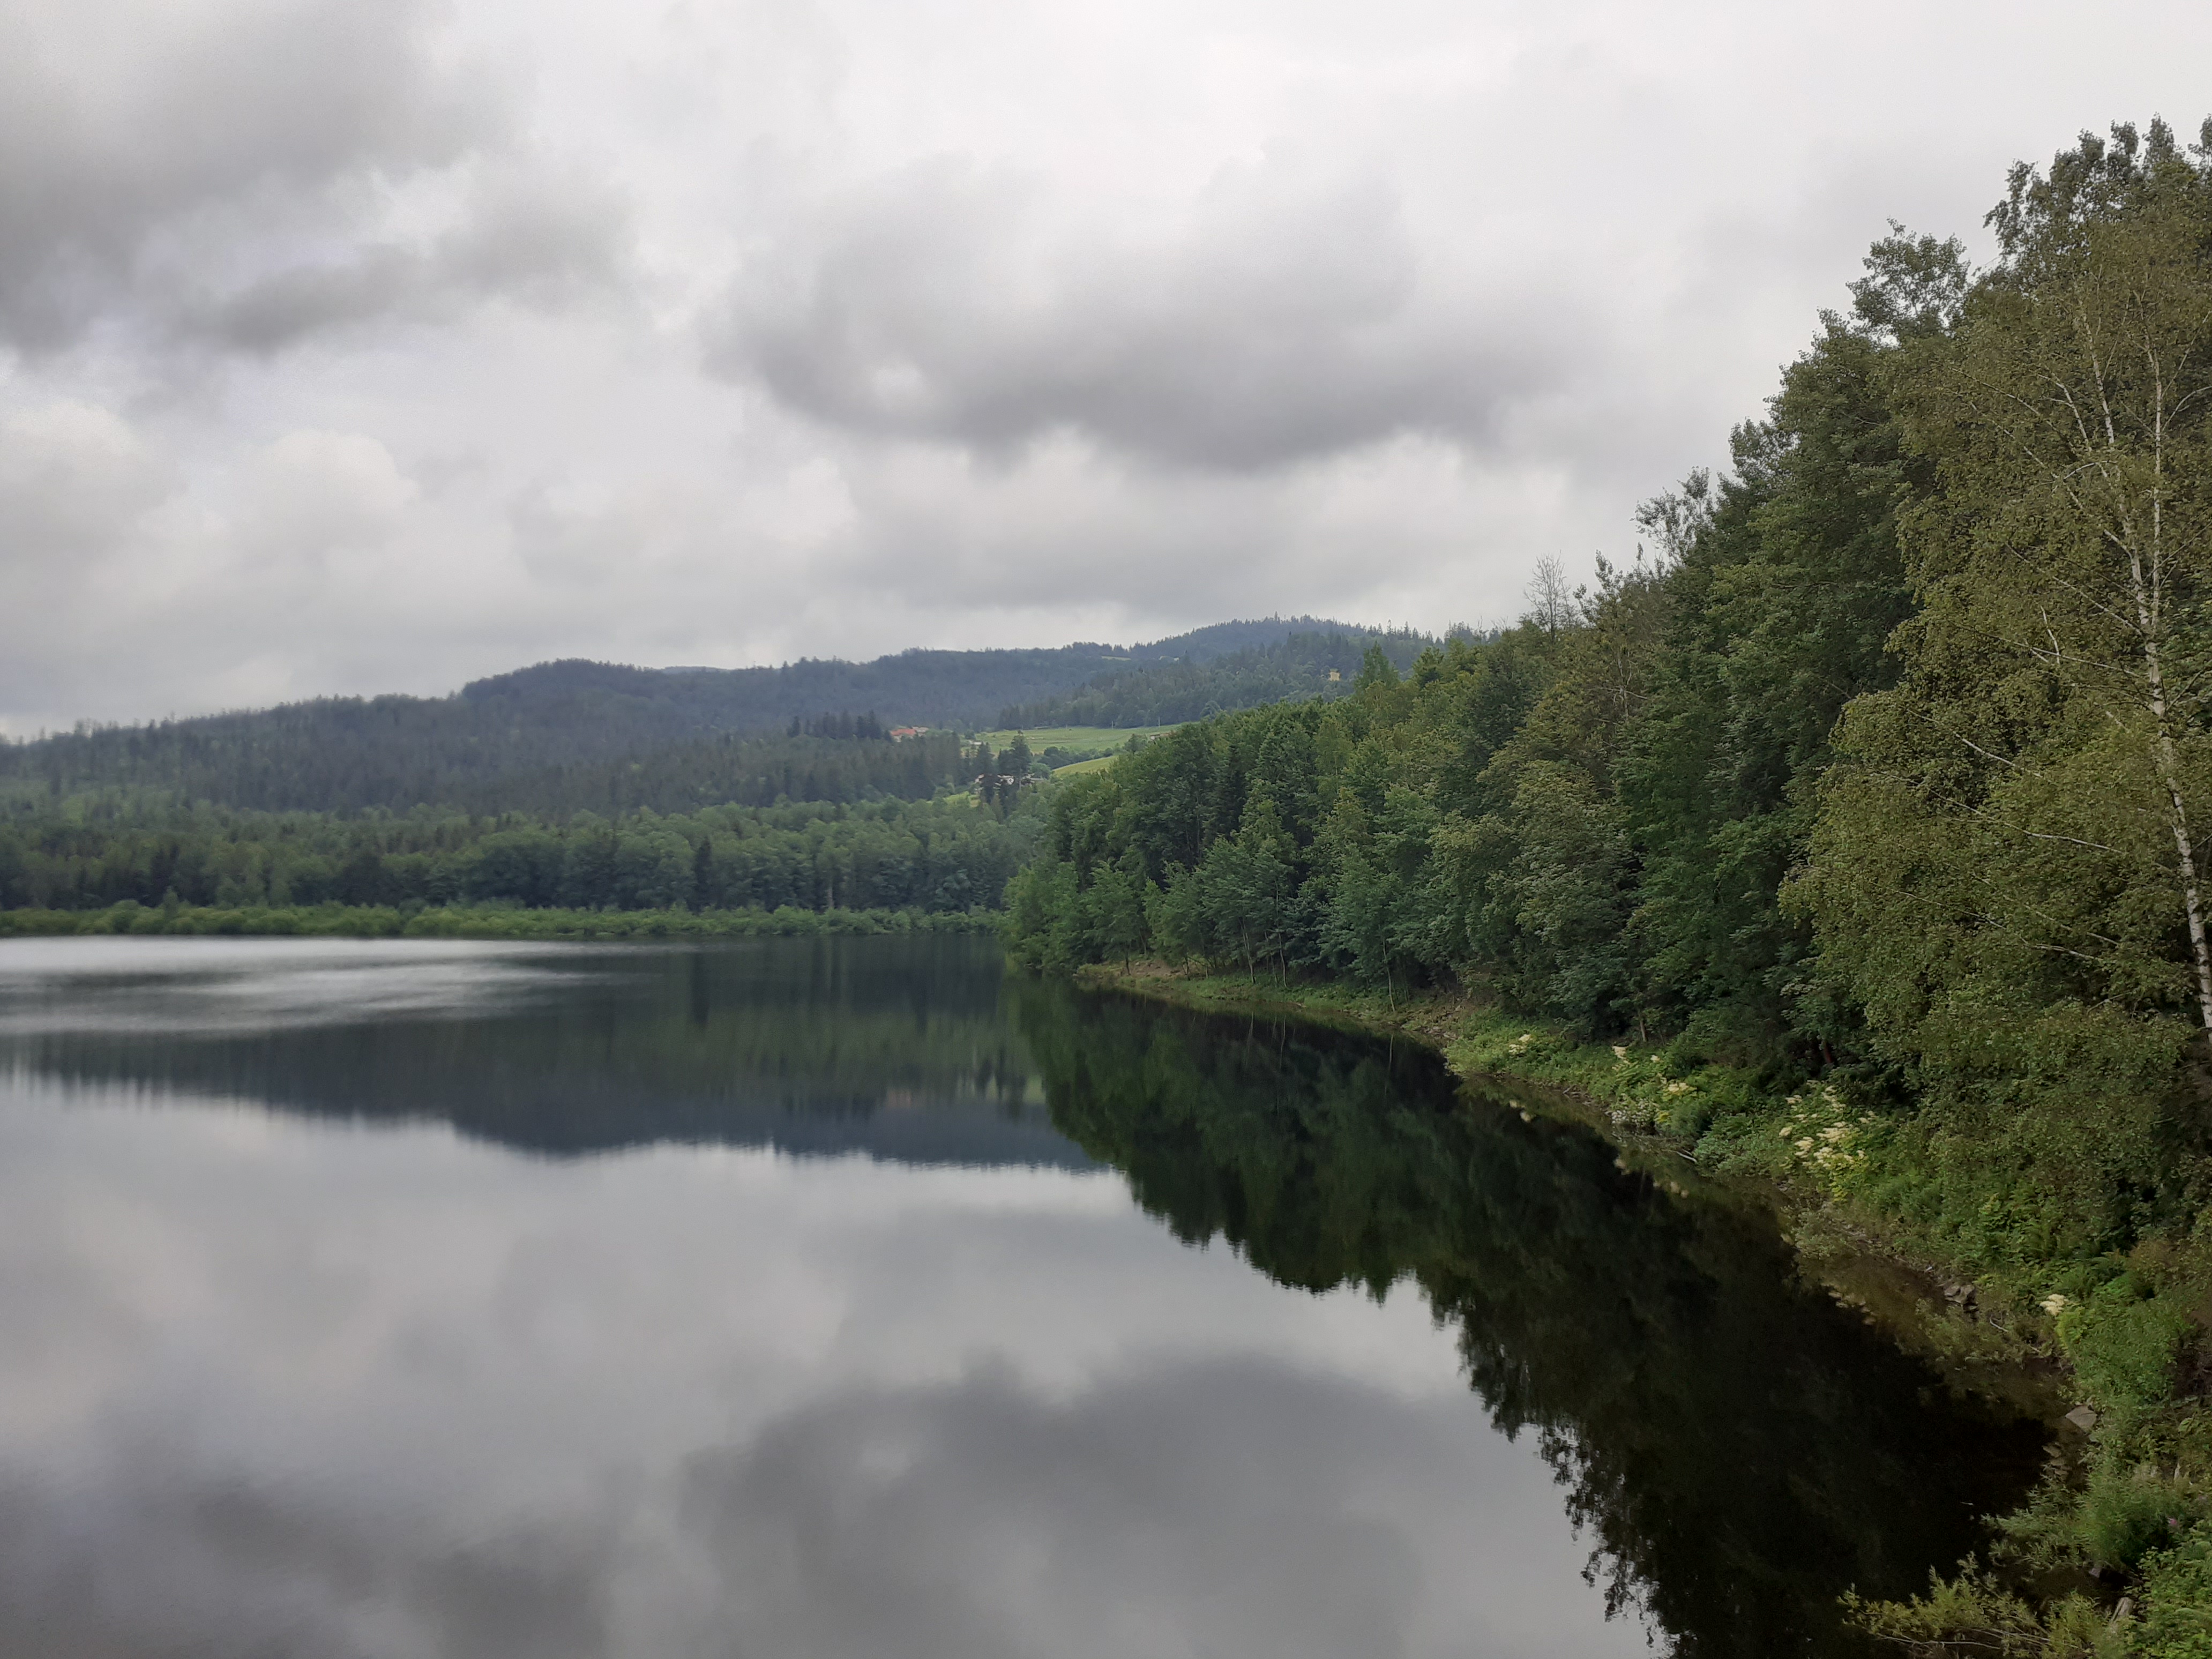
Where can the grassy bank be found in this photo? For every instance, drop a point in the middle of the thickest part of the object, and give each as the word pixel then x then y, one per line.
pixel 481 921
pixel 2114 1555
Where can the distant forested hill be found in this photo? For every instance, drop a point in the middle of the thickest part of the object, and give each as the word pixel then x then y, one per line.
pixel 562 736
pixel 1157 693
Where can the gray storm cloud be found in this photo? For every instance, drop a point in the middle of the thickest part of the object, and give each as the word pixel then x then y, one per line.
pixel 235 173
pixel 1284 319
pixel 544 239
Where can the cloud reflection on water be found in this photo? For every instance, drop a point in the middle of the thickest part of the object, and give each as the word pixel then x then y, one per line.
pixel 802 1326
pixel 284 1387
pixel 204 986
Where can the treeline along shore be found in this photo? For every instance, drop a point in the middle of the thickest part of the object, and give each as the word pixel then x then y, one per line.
pixel 951 854
pixel 1852 833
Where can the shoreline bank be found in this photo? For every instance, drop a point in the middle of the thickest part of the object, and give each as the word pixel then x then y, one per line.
pixel 1971 1332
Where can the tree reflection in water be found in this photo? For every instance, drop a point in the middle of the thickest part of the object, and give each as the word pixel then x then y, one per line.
pixel 1739 1451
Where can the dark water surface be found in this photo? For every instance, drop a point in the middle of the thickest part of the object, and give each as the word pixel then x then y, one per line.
pixel 846 1299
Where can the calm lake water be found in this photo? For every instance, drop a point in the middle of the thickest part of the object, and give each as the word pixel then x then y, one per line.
pixel 848 1299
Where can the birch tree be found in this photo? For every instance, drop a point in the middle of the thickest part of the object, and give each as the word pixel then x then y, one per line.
pixel 2074 422
pixel 2024 825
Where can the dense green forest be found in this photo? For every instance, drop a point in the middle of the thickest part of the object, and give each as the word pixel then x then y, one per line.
pixel 1872 792
pixel 947 855
pixel 1192 688
pixel 575 736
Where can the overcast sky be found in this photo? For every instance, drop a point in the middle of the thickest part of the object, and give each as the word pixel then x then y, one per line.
pixel 354 346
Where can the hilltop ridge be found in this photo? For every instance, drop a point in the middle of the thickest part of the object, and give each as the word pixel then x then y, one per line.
pixel 563 734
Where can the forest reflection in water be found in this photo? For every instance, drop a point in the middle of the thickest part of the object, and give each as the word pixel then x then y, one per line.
pixel 896 1046
pixel 1734 1450
pixel 1740 1451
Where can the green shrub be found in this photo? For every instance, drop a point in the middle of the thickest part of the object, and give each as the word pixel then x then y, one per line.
pixel 2177 1602
pixel 2123 1343
pixel 2126 1514
pixel 1973 1613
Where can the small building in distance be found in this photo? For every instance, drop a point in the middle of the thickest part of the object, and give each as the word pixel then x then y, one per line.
pixel 901 733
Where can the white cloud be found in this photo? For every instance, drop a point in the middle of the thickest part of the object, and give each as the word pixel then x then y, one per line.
pixel 76 484
pixel 722 332
pixel 1283 319
pixel 74 478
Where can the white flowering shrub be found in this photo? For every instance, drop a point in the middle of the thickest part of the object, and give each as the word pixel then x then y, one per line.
pixel 1825 1136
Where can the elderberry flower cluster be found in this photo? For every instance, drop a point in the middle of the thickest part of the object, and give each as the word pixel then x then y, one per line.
pixel 1824 1136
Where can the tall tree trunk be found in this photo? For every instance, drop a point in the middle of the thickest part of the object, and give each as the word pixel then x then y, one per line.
pixel 2192 902
pixel 2149 605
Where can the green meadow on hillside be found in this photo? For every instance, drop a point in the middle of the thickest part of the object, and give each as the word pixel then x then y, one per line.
pixel 1086 739
pixel 1071 750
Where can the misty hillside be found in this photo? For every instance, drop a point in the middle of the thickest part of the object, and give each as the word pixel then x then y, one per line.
pixel 560 736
